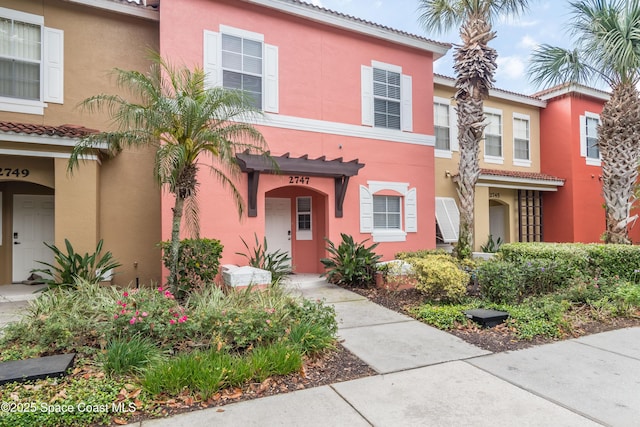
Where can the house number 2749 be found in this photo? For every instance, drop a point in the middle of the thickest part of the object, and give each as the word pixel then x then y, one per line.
pixel 298 180
pixel 18 173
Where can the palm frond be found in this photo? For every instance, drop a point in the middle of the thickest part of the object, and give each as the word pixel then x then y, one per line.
pixel 551 66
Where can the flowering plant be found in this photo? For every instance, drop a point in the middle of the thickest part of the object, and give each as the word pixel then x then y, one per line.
pixel 151 312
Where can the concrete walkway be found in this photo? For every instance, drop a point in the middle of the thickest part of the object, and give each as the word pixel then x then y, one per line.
pixel 429 377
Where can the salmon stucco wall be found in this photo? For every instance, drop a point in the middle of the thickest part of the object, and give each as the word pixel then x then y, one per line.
pixel 319 78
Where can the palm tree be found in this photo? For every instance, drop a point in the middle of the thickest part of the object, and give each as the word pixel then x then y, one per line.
pixel 607 46
pixel 475 65
pixel 183 121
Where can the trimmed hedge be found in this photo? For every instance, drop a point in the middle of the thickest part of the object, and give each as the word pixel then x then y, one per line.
pixel 439 278
pixel 598 260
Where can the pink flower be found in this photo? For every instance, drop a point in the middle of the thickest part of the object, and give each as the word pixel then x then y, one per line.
pixel 268 321
pixel 119 302
pixel 175 315
pixel 172 322
pixel 136 312
pixel 123 311
pixel 125 293
pixel 132 321
pixel 159 288
pixel 144 314
pixel 182 319
pixel 115 316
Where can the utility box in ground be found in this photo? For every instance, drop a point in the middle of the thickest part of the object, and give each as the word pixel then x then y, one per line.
pixel 241 277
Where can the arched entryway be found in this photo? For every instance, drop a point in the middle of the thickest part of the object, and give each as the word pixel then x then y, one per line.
pixel 295 222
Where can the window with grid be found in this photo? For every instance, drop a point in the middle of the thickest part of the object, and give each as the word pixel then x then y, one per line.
pixel 521 139
pixel 591 133
pixel 386 212
pixel 20 59
pixel 304 213
pixel 493 135
pixel 386 98
pixel 442 130
pixel 242 66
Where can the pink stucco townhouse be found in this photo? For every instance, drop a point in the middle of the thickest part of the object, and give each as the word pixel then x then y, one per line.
pixel 348 117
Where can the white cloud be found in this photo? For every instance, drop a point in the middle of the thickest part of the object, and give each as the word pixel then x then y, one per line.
pixel 511 67
pixel 512 21
pixel 527 42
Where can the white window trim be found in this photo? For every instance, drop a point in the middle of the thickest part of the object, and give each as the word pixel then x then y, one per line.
pixel 499 160
pixel 521 162
pixel 590 161
pixel 212 63
pixel 304 234
pixel 408 211
pixel 453 129
pixel 406 96
pixel 51 67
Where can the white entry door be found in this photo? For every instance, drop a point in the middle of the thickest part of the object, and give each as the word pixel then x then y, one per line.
pixel 497 222
pixel 33 224
pixel 277 227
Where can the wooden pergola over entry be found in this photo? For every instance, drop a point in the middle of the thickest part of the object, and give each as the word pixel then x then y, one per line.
pixel 255 164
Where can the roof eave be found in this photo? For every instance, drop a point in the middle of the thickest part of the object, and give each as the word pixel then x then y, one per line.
pixel 122 8
pixel 496 93
pixel 575 88
pixel 437 49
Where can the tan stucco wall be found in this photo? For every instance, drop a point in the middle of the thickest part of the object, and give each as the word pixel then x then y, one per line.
pixel 446 168
pixel 118 199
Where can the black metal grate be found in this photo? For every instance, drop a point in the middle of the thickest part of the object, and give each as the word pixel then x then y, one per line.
pixel 530 227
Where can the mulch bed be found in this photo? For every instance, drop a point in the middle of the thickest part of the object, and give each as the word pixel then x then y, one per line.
pixel 496 339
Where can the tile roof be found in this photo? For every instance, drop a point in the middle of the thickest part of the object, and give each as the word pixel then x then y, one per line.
pixel 66 131
pixel 363 21
pixel 534 97
pixel 518 174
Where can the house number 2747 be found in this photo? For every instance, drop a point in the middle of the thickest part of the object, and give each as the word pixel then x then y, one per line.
pixel 298 180
pixel 18 173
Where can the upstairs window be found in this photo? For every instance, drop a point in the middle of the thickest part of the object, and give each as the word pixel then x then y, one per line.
pixel 493 137
pixel 242 66
pixel 241 60
pixel 591 132
pixel 20 59
pixel 521 140
pixel 442 126
pixel 589 138
pixel 31 63
pixel 386 98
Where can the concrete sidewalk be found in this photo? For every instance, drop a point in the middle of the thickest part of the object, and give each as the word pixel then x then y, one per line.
pixel 429 377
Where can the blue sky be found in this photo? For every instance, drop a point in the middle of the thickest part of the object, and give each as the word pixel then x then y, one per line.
pixel 543 23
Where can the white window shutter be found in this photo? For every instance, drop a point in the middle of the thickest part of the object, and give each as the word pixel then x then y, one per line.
pixel 271 78
pixel 410 212
pixel 583 136
pixel 53 65
pixel 453 128
pixel 448 217
pixel 366 210
pixel 211 59
pixel 367 95
pixel 406 115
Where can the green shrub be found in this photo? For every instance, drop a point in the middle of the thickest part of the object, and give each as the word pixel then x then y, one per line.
pixel 614 260
pixel 439 278
pixel 444 317
pixel 571 254
pixel 154 313
pixel 130 354
pixel 72 268
pixel 586 290
pixel 537 317
pixel 626 299
pixel 500 281
pixel 350 263
pixel 198 263
pixel 422 253
pixel 278 262
pixel 542 276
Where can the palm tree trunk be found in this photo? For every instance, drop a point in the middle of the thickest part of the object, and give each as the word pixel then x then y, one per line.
pixel 470 126
pixel 620 152
pixel 178 209
pixel 475 65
